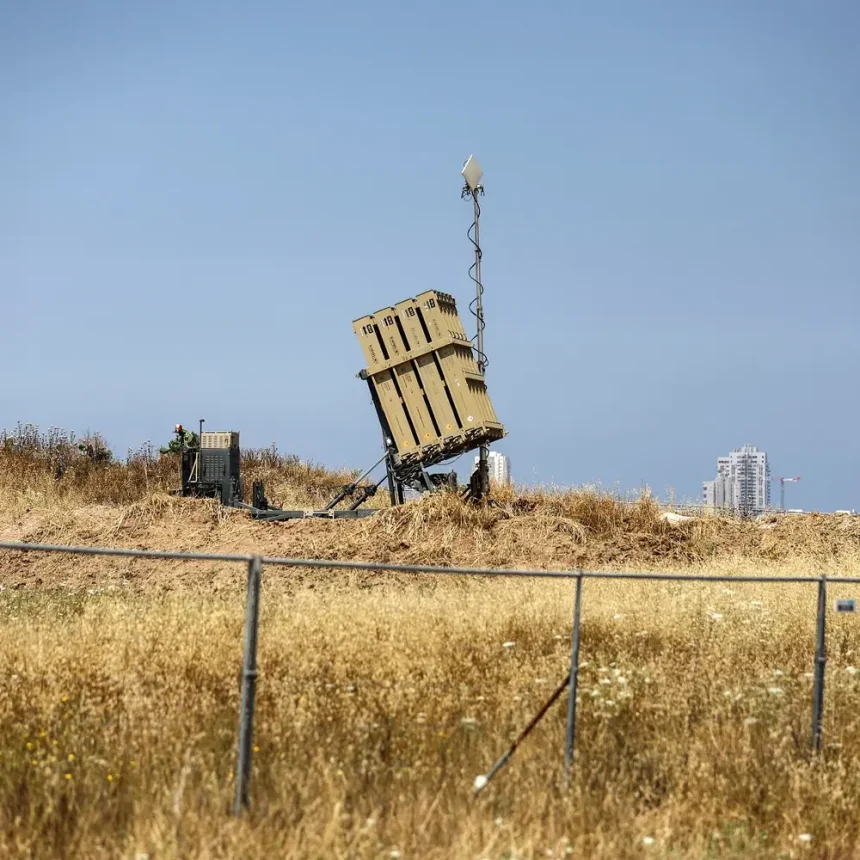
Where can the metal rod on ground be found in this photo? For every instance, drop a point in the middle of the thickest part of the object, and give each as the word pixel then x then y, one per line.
pixel 349 490
pixel 574 677
pixel 249 684
pixel 820 663
pixel 365 494
pixel 483 781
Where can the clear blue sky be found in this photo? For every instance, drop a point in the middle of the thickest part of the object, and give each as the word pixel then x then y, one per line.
pixel 198 198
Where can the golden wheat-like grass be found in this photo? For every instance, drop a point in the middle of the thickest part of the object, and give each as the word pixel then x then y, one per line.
pixel 377 707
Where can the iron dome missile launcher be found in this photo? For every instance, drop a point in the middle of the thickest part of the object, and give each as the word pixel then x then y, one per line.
pixel 430 396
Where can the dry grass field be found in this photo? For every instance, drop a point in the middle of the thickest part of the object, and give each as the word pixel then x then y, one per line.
pixel 381 697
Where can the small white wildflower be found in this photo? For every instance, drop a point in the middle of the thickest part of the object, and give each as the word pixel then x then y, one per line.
pixel 616 617
pixel 648 840
pixel 805 837
pixel 851 670
pixel 394 854
pixel 778 673
pixel 507 644
pixel 716 615
pixel 499 822
pixel 774 691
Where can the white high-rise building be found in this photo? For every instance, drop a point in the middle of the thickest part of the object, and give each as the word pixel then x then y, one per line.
pixel 500 468
pixel 742 482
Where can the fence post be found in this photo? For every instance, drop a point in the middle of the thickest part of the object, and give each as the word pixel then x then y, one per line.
pixel 249 684
pixel 820 663
pixel 574 677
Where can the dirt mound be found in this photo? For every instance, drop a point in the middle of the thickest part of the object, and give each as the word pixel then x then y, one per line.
pixel 538 530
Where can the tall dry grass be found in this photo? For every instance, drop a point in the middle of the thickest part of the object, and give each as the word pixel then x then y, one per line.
pixel 378 707
pixel 45 468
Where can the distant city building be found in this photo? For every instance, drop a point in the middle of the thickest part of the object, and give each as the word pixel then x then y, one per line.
pixel 500 468
pixel 742 482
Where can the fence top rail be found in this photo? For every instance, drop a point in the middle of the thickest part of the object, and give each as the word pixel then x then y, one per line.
pixel 122 551
pixel 416 568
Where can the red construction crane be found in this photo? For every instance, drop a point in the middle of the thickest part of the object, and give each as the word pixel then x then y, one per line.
pixel 782 483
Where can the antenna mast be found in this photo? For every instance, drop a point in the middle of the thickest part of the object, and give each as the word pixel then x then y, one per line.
pixel 472 175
